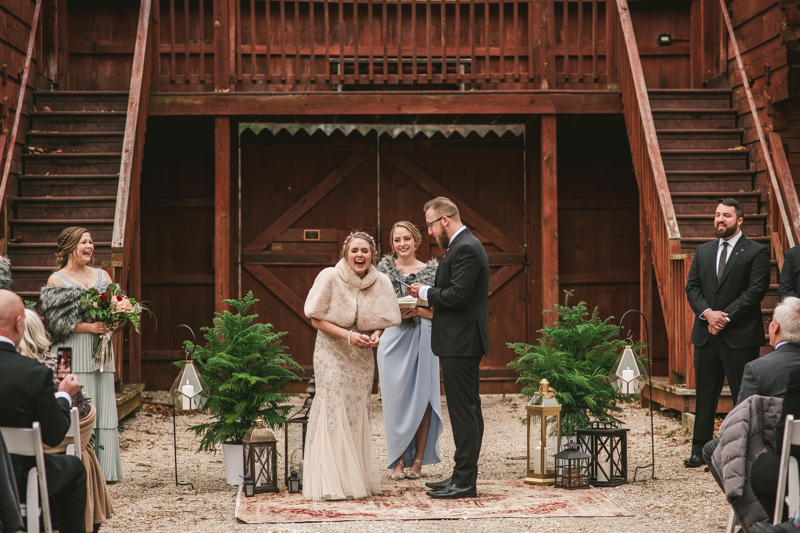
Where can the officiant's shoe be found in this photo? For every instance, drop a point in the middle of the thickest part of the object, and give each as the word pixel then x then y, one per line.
pixel 440 484
pixel 451 492
pixel 695 461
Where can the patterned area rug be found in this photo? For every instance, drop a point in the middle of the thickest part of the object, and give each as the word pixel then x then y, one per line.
pixel 403 501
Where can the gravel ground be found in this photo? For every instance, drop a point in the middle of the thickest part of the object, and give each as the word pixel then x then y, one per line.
pixel 146 499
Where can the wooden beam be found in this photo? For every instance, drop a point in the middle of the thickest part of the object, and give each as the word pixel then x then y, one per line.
pixel 645 272
pixel 222 212
pixel 375 103
pixel 222 62
pixel 549 199
pixel 533 170
pixel 309 200
pixel 468 215
pixel 499 278
pixel 279 289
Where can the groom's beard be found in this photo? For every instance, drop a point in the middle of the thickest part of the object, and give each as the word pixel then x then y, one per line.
pixel 442 240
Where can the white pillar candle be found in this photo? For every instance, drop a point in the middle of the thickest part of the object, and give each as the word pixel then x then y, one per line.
pixel 188 392
pixel 627 377
pixel 537 459
pixel 603 471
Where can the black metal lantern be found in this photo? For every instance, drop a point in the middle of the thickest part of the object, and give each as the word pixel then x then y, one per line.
pixel 249 487
pixel 261 458
pixel 607 447
pixel 572 467
pixel 295 437
pixel 293 483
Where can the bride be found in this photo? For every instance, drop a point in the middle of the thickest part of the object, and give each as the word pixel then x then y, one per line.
pixel 350 305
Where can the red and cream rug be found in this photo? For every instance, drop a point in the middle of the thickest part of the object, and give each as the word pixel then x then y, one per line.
pixel 404 501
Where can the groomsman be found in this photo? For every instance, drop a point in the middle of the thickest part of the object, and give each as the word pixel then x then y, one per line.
pixel 790 273
pixel 459 337
pixel 727 281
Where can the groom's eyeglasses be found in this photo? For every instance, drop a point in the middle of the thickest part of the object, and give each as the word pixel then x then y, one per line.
pixel 430 224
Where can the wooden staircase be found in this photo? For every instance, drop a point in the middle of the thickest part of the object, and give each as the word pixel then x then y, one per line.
pixel 704 160
pixel 70 178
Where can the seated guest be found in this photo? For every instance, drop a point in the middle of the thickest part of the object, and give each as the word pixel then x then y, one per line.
pixel 764 475
pixel 790 526
pixel 27 395
pixel 5 272
pixel 770 375
pixel 790 273
pixel 35 344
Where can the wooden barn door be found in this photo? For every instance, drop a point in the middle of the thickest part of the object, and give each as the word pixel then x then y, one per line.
pixel 300 198
pixel 486 178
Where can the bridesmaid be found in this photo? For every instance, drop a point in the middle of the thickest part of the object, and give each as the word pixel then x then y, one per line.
pixel 67 326
pixel 408 370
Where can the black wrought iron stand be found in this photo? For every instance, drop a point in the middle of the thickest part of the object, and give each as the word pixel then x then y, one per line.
pixel 172 374
pixel 650 383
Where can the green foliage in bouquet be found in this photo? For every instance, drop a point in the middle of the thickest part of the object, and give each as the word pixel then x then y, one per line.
pixel 246 369
pixel 576 356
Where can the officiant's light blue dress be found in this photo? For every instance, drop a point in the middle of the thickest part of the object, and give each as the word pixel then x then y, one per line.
pixel 409 376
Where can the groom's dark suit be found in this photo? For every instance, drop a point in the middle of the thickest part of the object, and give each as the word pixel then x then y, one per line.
pixel 738 292
pixel 460 338
pixel 27 395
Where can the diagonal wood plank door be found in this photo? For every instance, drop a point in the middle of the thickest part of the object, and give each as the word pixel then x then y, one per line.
pixel 486 179
pixel 299 196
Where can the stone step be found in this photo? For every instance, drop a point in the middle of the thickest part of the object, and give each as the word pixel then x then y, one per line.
pixel 42 230
pixel 81 100
pixel 78 163
pixel 65 207
pixel 76 141
pixel 61 121
pixel 68 185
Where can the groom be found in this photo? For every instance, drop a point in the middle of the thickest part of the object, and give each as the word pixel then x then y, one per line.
pixel 460 337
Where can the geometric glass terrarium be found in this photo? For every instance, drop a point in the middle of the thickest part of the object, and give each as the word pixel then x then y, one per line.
pixel 544 435
pixel 189 392
pixel 628 375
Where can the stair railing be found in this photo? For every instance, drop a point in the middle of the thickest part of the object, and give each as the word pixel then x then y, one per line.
pixel 783 237
pixel 8 142
pixel 125 237
pixel 662 229
pixel 785 223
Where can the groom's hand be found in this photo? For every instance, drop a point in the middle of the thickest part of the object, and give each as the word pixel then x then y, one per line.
pixel 413 290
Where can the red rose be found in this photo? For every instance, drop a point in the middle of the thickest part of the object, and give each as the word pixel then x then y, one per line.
pixel 119 298
pixel 103 298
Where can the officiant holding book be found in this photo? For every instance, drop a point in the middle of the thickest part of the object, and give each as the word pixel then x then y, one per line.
pixel 459 337
pixel 408 371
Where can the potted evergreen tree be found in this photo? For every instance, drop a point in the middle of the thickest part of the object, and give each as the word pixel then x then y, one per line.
pixel 246 369
pixel 576 356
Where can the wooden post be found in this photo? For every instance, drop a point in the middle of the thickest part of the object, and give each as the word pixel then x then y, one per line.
pixel 222 212
pixel 645 274
pixel 697 48
pixel 547 45
pixel 549 202
pixel 611 43
pixel 533 260
pixel 221 49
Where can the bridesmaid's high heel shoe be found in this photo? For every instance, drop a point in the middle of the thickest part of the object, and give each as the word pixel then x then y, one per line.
pixel 411 474
pixel 402 474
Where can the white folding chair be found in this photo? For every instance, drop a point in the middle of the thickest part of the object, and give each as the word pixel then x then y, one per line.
pixel 733 521
pixel 28 442
pixel 74 431
pixel 788 471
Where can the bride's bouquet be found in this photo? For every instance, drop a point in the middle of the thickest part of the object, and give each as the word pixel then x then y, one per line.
pixel 114 309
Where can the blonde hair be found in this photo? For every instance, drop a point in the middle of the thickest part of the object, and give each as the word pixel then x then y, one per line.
pixel 35 342
pixel 444 207
pixel 365 237
pixel 69 239
pixel 412 229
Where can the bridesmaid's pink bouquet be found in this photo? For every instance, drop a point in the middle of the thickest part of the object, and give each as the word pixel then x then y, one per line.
pixel 114 309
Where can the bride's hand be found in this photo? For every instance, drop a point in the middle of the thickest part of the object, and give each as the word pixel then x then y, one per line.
pixel 359 340
pixel 375 338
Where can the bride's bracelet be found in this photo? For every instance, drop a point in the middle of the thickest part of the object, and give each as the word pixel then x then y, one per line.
pixel 349 333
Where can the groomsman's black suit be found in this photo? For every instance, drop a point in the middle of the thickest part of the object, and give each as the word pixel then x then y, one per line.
pixel 27 395
pixel 790 273
pixel 739 291
pixel 460 338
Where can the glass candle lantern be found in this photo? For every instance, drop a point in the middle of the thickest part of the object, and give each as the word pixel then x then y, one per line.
pixel 295 436
pixel 189 392
pixel 607 447
pixel 261 458
pixel 544 435
pixel 572 468
pixel 628 376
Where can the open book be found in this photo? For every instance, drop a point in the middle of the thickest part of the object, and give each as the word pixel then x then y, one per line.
pixel 409 302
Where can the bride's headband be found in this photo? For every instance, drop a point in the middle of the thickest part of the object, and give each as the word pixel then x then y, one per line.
pixel 359 235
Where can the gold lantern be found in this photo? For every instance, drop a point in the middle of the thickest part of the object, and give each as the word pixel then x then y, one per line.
pixel 628 376
pixel 544 435
pixel 261 458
